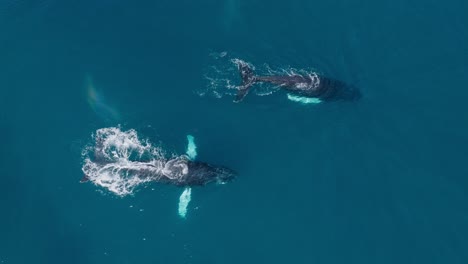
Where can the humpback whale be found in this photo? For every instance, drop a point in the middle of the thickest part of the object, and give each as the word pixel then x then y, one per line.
pixel 119 162
pixel 303 88
pixel 182 170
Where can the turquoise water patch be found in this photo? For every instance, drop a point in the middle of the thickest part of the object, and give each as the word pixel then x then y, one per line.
pixel 380 180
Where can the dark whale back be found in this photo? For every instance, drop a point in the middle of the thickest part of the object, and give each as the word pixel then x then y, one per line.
pixel 312 85
pixel 201 173
pixel 248 79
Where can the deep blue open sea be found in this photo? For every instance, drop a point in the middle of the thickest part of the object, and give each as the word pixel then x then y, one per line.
pixel 379 180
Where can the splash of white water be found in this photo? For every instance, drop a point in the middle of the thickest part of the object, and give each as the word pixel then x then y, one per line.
pixel 117 160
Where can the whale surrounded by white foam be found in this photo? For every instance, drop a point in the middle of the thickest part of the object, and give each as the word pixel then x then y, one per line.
pixel 119 161
pixel 108 162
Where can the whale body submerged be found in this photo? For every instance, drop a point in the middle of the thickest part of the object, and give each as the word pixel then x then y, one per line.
pixel 311 85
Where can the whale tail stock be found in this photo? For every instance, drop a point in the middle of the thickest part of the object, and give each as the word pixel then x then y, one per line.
pixel 248 79
pixel 85 178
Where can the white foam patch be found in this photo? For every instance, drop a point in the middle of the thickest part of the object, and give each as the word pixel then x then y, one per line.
pixel 191 147
pixel 304 100
pixel 119 161
pixel 184 201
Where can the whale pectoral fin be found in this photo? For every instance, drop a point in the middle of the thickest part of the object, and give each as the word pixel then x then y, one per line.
pixel 191 147
pixel 304 100
pixel 184 201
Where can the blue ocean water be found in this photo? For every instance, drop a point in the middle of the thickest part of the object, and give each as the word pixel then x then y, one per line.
pixel 380 180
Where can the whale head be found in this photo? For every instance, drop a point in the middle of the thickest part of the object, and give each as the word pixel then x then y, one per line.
pixel 224 175
pixel 201 173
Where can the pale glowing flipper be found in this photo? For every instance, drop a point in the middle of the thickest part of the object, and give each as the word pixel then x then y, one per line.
pixel 184 201
pixel 304 100
pixel 191 147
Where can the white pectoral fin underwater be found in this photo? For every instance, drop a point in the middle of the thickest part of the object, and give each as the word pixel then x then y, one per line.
pixel 191 147
pixel 186 195
pixel 303 100
pixel 184 201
